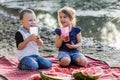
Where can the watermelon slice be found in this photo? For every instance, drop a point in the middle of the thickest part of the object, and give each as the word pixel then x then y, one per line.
pixel 91 73
pixel 48 75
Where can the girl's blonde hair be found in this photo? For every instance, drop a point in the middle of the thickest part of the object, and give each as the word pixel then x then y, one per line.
pixel 70 12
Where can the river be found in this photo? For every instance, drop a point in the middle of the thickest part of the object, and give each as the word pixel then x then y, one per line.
pixel 99 19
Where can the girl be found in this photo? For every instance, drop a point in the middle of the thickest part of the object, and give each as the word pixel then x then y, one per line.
pixel 68 48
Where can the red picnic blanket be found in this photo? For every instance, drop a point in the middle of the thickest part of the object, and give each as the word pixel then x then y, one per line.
pixel 8 69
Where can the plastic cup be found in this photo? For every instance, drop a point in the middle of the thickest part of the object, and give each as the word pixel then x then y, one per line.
pixel 65 33
pixel 34 30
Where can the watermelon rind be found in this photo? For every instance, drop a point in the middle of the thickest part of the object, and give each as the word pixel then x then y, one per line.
pixel 3 78
pixel 47 77
pixel 81 76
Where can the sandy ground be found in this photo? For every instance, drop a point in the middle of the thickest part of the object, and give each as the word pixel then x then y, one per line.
pixel 111 57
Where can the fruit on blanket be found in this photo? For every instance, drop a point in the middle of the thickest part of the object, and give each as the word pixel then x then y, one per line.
pixel 91 73
pixel 35 77
pixel 63 70
pixel 49 75
pixel 3 78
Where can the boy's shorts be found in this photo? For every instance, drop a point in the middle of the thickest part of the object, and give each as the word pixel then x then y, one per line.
pixel 71 55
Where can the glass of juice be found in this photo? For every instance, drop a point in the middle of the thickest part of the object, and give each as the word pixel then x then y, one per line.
pixel 65 33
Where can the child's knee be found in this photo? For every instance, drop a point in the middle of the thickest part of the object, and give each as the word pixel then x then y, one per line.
pixel 48 64
pixel 28 67
pixel 82 62
pixel 65 61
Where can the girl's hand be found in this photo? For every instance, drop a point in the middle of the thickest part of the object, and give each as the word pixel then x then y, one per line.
pixel 71 46
pixel 62 37
pixel 65 39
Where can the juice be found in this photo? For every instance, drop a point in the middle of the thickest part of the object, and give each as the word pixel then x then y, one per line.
pixel 65 33
pixel 66 39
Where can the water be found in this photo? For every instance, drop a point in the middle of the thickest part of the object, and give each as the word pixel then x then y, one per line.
pixel 98 19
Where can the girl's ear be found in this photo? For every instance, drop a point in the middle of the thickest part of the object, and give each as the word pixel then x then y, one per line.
pixel 71 19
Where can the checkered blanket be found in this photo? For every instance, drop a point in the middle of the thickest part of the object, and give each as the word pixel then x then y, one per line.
pixel 9 70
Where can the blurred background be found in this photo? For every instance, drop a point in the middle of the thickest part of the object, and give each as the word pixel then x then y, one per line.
pixel 99 20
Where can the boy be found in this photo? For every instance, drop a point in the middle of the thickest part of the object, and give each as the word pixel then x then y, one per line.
pixel 28 44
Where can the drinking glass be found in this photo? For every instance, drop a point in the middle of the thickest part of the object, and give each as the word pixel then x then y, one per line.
pixel 34 30
pixel 65 33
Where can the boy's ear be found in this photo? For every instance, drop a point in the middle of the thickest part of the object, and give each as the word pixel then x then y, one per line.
pixel 21 21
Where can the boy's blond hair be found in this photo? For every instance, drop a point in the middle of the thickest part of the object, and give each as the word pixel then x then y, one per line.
pixel 25 11
pixel 70 12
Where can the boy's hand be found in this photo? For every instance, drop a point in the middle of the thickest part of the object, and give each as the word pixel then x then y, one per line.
pixel 33 37
pixel 39 41
pixel 38 37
